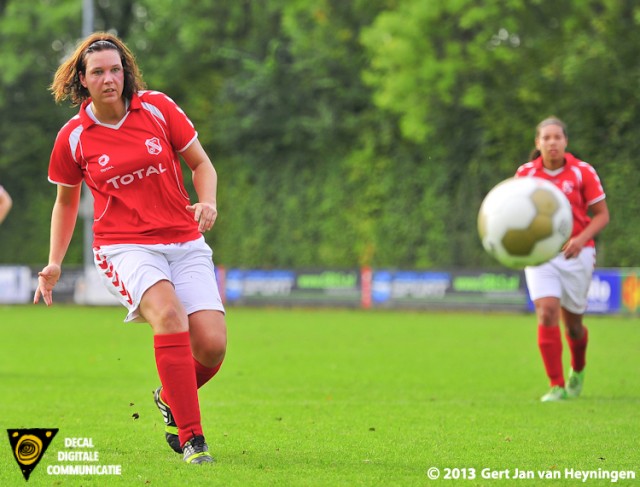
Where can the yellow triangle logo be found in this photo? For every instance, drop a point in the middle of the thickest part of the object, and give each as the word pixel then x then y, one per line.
pixel 28 446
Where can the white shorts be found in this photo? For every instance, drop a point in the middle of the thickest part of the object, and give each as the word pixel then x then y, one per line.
pixel 128 270
pixel 566 279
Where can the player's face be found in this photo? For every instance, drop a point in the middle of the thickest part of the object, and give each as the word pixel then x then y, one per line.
pixel 104 76
pixel 551 142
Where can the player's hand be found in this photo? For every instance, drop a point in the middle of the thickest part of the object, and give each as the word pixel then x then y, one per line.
pixel 205 214
pixel 572 248
pixel 47 279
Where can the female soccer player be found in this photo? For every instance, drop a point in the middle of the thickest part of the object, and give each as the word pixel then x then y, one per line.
pixel 559 288
pixel 125 144
pixel 5 204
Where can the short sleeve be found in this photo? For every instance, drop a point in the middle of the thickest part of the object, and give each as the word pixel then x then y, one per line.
pixel 592 186
pixel 63 168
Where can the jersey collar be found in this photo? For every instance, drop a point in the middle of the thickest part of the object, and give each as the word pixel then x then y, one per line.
pixel 570 159
pixel 87 121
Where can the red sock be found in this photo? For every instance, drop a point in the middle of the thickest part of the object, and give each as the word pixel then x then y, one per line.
pixel 550 344
pixel 578 351
pixel 204 374
pixel 175 368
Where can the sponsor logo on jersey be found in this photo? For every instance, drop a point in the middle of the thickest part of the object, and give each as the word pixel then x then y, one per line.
pixel 103 160
pixel 153 146
pixel 126 179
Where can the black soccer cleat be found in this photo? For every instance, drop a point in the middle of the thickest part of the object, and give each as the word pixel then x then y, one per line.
pixel 170 426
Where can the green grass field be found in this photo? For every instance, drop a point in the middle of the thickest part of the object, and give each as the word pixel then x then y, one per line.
pixel 323 398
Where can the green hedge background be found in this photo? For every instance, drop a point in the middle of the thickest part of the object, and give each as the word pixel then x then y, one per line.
pixel 344 133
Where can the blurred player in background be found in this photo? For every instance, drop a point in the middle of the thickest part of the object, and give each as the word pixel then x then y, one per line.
pixel 559 287
pixel 5 204
pixel 126 144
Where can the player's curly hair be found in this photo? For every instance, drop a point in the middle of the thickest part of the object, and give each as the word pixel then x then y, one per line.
pixel 66 82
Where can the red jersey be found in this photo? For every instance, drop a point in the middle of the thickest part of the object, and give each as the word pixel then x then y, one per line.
pixel 579 182
pixel 132 169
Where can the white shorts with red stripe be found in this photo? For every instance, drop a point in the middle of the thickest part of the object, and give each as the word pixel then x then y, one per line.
pixel 128 270
pixel 565 279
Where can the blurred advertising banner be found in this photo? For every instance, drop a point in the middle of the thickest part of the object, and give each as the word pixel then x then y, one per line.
pixel 290 288
pixel 604 292
pixel 15 284
pixel 612 290
pixel 630 291
pixel 454 289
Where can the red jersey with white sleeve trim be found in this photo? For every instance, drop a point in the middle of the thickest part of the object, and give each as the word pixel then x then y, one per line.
pixel 579 182
pixel 132 169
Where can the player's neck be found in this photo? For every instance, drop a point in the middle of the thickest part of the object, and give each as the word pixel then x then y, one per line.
pixel 109 113
pixel 553 164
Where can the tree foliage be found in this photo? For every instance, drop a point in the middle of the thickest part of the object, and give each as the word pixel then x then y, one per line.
pixel 344 133
pixel 473 79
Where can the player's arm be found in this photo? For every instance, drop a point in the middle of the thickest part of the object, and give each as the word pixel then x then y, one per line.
pixel 5 204
pixel 599 219
pixel 63 222
pixel 205 182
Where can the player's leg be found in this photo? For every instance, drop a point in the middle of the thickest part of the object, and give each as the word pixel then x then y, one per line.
pixel 550 345
pixel 194 278
pixel 162 309
pixel 208 337
pixel 576 280
pixel 543 284
pixel 139 275
pixel 577 338
pixel 208 333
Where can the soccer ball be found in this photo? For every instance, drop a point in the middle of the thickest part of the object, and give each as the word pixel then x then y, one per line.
pixel 524 221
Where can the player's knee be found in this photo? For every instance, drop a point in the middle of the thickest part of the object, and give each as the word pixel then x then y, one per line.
pixel 210 351
pixel 575 330
pixel 215 349
pixel 548 316
pixel 548 311
pixel 170 319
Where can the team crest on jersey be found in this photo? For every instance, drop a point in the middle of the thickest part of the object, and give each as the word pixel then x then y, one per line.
pixel 103 160
pixel 567 187
pixel 153 146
